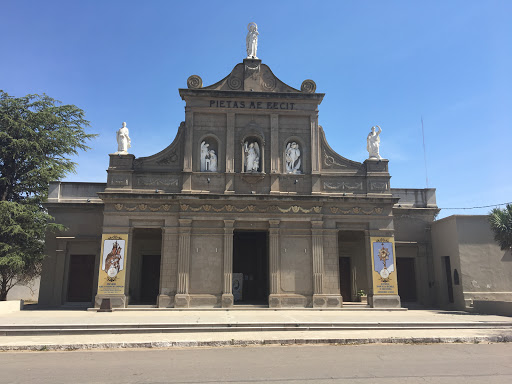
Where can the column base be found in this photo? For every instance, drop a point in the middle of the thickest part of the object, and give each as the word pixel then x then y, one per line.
pixel 227 300
pixel 165 301
pixel 117 301
pixel 327 301
pixel 384 301
pixel 182 300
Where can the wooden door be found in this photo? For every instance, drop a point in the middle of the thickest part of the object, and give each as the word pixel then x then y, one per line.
pixel 150 279
pixel 345 279
pixel 80 278
pixel 406 275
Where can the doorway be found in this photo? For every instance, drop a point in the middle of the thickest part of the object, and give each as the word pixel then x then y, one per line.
pixel 149 279
pixel 345 279
pixel 406 277
pixel 250 267
pixel 80 278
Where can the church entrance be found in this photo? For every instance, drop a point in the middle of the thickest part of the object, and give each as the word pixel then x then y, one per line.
pixel 250 267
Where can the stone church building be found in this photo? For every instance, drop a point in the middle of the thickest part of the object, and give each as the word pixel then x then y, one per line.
pixel 249 205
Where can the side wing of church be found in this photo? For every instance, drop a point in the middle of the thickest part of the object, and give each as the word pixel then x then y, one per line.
pixel 249 205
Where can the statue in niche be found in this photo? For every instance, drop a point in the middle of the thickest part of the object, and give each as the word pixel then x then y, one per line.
pixel 373 143
pixel 252 156
pixel 292 155
pixel 123 140
pixel 251 41
pixel 204 155
pixel 211 161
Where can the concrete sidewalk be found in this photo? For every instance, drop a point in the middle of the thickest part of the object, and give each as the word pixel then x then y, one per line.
pixel 79 329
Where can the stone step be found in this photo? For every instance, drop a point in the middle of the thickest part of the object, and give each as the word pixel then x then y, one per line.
pixel 75 329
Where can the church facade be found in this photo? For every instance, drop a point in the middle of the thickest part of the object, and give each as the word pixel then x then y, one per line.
pixel 249 205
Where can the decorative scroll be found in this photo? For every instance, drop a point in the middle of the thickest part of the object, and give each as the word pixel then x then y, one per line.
pixel 234 83
pixel 308 86
pixel 344 186
pixel 357 211
pixel 146 181
pixel 329 161
pixel 194 82
pixel 268 82
pixel 171 158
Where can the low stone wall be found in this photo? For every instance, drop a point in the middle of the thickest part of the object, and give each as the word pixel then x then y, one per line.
pixel 503 308
pixel 11 306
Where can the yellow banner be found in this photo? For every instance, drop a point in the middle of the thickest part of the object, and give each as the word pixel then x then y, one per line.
pixel 384 266
pixel 111 279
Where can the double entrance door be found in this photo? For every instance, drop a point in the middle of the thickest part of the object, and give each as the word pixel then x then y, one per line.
pixel 250 267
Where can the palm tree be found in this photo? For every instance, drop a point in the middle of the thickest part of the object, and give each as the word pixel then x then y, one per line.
pixel 501 225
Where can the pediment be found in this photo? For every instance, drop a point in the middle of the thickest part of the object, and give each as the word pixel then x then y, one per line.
pixel 333 162
pixel 251 76
pixel 169 159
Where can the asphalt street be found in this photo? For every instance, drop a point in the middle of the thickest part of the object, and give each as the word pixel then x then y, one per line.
pixel 438 363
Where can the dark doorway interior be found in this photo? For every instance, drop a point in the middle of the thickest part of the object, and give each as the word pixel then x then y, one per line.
pixel 345 279
pixel 149 279
pixel 80 278
pixel 406 276
pixel 250 257
pixel 448 273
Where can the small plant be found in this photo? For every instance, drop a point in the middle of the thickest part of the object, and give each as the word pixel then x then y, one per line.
pixel 361 292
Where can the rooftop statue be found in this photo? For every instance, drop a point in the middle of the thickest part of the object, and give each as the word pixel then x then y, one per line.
pixel 252 40
pixel 123 140
pixel 373 143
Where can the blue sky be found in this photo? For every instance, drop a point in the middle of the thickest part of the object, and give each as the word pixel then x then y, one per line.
pixel 378 62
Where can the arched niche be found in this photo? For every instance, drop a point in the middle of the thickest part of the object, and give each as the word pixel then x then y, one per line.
pixel 253 153
pixel 294 156
pixel 208 154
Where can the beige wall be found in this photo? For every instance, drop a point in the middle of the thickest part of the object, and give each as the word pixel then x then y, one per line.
pixel 485 271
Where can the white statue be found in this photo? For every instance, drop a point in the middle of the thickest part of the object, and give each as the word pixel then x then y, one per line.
pixel 251 41
pixel 292 156
pixel 123 140
pixel 252 157
pixel 204 155
pixel 373 143
pixel 212 159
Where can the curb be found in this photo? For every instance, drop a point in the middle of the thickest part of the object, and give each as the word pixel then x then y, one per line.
pixel 272 342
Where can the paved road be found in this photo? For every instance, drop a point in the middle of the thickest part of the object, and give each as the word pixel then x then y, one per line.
pixel 440 363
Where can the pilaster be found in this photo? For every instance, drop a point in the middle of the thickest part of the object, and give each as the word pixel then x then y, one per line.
pixel 165 297
pixel 274 300
pixel 182 298
pixel 227 292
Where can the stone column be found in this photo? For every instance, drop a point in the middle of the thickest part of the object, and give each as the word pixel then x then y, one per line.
pixel 274 300
pixel 166 298
pixel 318 256
pixel 227 292
pixel 182 299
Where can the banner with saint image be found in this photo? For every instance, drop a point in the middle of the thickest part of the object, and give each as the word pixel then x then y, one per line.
pixel 111 279
pixel 384 266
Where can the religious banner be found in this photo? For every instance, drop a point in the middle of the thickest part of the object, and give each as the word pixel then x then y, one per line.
pixel 111 279
pixel 384 266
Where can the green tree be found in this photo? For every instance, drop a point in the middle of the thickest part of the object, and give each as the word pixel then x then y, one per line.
pixel 37 137
pixel 501 225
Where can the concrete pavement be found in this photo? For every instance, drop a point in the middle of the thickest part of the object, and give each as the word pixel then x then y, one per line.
pixel 79 329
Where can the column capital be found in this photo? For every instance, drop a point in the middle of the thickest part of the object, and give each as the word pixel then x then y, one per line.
pixel 229 223
pixel 274 223
pixel 185 222
pixel 317 224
